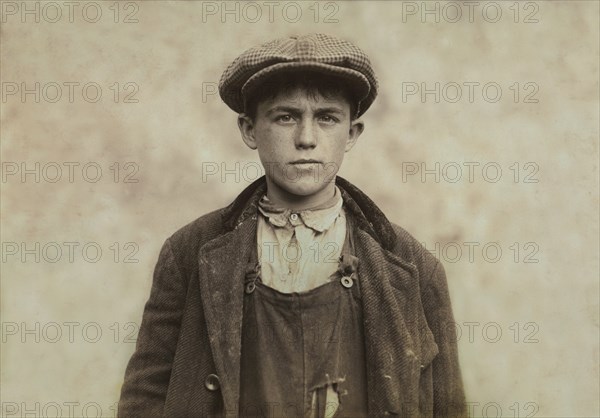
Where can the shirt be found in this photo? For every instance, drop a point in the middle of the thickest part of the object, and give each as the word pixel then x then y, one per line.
pixel 299 250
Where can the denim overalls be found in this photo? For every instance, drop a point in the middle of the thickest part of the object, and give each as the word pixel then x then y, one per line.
pixel 303 354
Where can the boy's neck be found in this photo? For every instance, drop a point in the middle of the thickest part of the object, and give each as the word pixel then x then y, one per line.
pixel 282 198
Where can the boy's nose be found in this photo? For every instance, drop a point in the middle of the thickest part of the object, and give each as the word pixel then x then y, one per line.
pixel 306 136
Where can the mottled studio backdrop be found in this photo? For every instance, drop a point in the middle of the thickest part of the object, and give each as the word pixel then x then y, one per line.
pixel 483 144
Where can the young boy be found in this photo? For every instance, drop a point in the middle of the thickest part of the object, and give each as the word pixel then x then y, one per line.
pixel 300 298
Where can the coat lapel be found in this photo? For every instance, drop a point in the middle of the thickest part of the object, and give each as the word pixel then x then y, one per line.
pixel 222 263
pixel 397 338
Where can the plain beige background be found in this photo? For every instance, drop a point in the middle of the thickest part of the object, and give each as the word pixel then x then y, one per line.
pixel 533 348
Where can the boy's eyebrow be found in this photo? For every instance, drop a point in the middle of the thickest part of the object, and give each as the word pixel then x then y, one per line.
pixel 330 109
pixel 296 110
pixel 286 109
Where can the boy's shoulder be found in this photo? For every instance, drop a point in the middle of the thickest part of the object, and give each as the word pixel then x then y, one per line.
pixel 185 243
pixel 198 231
pixel 411 250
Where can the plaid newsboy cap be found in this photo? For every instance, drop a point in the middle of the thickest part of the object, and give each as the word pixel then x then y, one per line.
pixel 318 53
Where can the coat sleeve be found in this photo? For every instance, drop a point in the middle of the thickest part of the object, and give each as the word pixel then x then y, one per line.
pixel 448 393
pixel 149 370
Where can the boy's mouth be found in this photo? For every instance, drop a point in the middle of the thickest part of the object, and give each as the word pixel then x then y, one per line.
pixel 305 162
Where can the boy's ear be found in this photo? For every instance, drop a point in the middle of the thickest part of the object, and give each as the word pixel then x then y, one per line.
pixel 246 126
pixel 356 128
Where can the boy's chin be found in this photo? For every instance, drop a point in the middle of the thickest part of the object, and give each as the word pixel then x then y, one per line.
pixel 304 187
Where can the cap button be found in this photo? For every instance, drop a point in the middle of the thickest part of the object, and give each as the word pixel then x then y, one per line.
pixel 305 48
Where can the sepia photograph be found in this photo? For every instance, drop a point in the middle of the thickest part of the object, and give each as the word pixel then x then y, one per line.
pixel 300 208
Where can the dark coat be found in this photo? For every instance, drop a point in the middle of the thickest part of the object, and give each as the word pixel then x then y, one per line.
pixel 191 327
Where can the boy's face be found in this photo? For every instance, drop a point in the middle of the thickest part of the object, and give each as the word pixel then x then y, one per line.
pixel 301 139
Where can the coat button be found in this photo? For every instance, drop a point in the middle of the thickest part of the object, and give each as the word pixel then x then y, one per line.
pixel 347 282
pixel 250 287
pixel 294 216
pixel 212 382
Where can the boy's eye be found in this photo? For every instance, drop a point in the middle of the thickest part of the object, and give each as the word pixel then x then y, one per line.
pixel 284 118
pixel 327 119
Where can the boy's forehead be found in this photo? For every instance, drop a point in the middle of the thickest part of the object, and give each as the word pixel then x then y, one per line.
pixel 300 98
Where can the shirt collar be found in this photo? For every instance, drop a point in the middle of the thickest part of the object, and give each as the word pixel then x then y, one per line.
pixel 318 218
